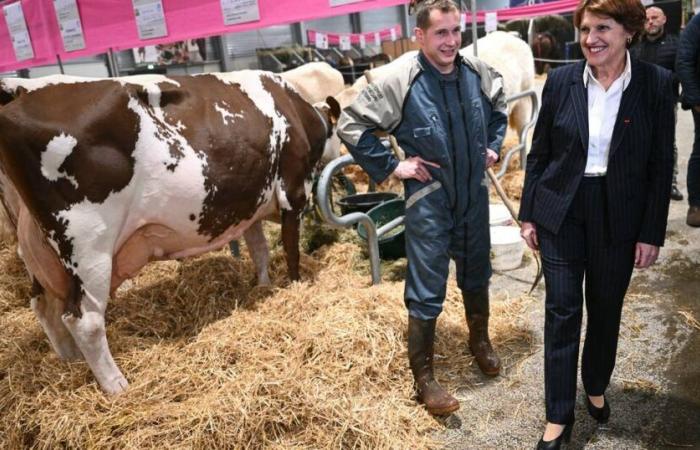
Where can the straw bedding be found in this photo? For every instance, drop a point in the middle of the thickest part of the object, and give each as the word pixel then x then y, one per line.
pixel 215 362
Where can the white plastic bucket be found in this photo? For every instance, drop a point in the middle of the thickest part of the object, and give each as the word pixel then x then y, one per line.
pixel 499 215
pixel 507 248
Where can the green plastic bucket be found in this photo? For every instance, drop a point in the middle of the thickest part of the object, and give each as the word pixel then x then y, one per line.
pixel 393 244
pixel 363 202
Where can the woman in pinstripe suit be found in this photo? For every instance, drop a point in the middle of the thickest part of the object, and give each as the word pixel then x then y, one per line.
pixel 595 200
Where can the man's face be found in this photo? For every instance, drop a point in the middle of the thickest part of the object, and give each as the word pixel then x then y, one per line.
pixel 656 19
pixel 441 41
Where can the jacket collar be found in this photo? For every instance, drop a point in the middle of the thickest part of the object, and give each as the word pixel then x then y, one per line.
pixel 427 66
pixel 628 103
pixel 626 73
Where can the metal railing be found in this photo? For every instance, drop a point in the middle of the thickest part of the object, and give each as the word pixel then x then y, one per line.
pixel 522 138
pixel 323 199
pixel 323 191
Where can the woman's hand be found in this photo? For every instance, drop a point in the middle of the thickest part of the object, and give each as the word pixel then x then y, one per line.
pixel 645 255
pixel 528 231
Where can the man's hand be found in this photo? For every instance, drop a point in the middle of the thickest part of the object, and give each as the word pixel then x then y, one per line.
pixel 528 231
pixel 491 157
pixel 697 108
pixel 645 255
pixel 414 167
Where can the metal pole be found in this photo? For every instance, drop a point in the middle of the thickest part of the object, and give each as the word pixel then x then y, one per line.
pixel 224 60
pixel 403 11
pixel 60 65
pixel 111 67
pixel 475 34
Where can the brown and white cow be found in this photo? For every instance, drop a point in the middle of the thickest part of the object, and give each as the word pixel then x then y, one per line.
pixel 114 173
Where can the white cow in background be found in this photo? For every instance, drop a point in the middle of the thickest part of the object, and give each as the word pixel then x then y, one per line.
pixel 512 58
pixel 315 81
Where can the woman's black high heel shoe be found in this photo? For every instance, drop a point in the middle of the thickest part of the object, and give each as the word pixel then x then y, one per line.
pixel 601 415
pixel 555 444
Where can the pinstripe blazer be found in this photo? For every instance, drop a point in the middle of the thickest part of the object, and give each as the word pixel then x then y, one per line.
pixel 640 162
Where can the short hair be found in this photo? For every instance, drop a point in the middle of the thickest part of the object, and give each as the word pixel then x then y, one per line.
pixel 652 6
pixel 423 8
pixel 628 13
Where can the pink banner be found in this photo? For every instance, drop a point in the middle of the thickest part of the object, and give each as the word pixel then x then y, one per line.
pixel 111 24
pixel 521 12
pixel 334 38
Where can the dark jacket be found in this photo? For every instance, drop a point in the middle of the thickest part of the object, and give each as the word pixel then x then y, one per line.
pixel 661 52
pixel 688 63
pixel 409 103
pixel 640 162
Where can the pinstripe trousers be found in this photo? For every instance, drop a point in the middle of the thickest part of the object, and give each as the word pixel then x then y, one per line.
pixel 582 250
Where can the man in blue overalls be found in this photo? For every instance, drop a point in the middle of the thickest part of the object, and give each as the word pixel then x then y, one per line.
pixel 448 113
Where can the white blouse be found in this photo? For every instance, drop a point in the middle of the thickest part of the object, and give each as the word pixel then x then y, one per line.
pixel 602 112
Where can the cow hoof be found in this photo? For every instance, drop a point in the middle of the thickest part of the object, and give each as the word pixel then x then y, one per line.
pixel 115 386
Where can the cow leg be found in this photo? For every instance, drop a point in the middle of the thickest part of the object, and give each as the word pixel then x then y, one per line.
pixel 290 242
pixel 260 254
pixel 520 114
pixel 84 318
pixel 48 311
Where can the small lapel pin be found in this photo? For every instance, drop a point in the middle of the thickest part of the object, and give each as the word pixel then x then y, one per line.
pixel 627 121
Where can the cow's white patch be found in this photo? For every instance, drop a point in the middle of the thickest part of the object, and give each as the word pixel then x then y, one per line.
pixel 145 81
pixel 282 198
pixel 10 85
pixel 250 83
pixel 57 150
pixel 166 194
pixel 149 83
pixel 226 114
pixel 308 185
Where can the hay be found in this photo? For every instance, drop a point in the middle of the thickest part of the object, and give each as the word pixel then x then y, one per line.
pixel 361 181
pixel 640 385
pixel 690 319
pixel 215 362
pixel 513 180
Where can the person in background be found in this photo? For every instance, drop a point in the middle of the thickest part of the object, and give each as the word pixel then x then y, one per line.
pixel 595 200
pixel 448 113
pixel 688 68
pixel 658 47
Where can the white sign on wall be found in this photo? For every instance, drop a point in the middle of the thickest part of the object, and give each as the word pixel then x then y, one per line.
pixel 344 43
pixel 17 26
pixel 240 11
pixel 377 39
pixel 393 34
pixel 321 41
pixel 150 19
pixel 343 2
pixel 69 24
pixel 490 22
pixel 363 43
